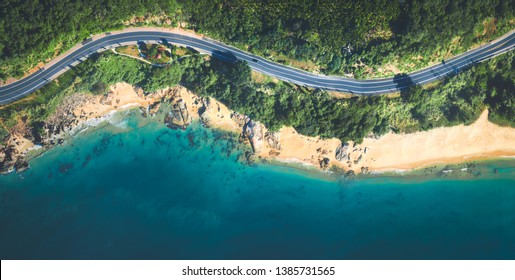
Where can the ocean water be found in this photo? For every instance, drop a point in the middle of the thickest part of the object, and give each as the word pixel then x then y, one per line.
pixel 133 191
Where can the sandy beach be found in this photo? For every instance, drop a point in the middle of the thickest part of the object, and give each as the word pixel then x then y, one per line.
pixel 394 152
pixel 391 152
pixel 481 140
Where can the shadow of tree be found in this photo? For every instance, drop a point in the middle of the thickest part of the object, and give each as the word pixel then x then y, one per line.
pixel 225 56
pixel 404 84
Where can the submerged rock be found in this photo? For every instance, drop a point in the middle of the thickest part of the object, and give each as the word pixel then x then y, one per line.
pixel 21 165
pixel 154 108
pixel 324 163
pixel 65 167
pixel 350 174
pixel 250 157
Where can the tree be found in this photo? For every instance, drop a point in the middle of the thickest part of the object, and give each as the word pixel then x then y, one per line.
pixel 152 52
pixel 161 77
pixel 240 74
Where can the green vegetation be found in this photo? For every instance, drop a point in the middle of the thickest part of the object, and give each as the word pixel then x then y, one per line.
pixel 107 69
pixel 460 99
pixel 350 36
pixel 155 53
pixel 300 29
pixel 94 75
pixel 37 107
pixel 32 31
pixel 364 38
pixel 100 72
pixel 41 104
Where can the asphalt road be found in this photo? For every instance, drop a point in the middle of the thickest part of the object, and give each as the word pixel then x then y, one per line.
pixel 31 83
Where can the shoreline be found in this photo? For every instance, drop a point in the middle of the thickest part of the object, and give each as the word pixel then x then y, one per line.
pixel 457 170
pixel 481 140
pixel 399 154
pixel 446 161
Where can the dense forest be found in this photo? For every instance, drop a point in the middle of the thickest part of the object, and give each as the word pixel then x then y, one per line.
pixel 460 99
pixel 362 38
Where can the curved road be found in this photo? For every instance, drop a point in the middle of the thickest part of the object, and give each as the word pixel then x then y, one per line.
pixel 31 83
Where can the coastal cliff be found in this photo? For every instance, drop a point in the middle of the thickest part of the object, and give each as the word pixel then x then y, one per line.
pixel 180 107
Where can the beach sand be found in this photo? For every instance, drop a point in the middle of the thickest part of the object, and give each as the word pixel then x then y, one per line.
pixel 394 152
pixel 391 152
pixel 481 140
pixel 293 147
pixel 121 96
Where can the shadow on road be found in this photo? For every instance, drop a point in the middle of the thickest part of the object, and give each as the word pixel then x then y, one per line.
pixel 403 83
pixel 225 56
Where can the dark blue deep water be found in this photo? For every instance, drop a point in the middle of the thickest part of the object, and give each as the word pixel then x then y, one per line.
pixel 156 193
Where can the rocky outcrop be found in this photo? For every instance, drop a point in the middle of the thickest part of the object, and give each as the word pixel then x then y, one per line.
pixel 240 119
pixel 254 132
pixel 178 117
pixel 11 158
pixel 250 157
pixel 21 165
pixel 272 140
pixel 76 111
pixel 153 108
pixel 180 107
pixel 259 137
pixel 8 157
pixel 274 153
pixel 204 116
pixel 23 139
pixel 350 174
pixel 341 152
pixel 358 159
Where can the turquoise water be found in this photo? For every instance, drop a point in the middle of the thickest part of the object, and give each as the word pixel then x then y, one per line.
pixel 129 192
